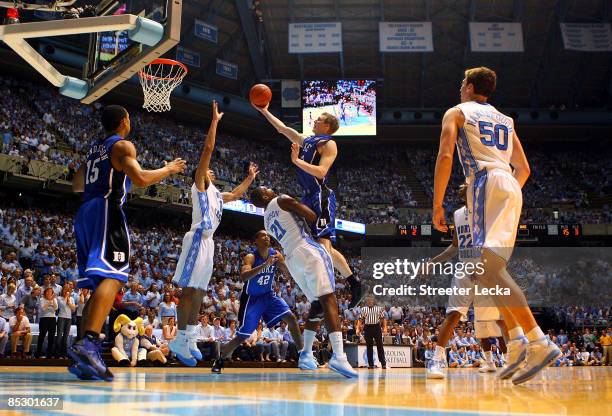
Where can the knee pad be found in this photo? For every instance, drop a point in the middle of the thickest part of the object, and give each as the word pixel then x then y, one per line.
pixel 316 312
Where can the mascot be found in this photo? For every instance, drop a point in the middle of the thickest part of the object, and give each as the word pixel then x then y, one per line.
pixel 125 351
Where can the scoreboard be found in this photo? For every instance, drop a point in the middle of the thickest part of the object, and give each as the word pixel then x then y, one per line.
pixel 562 231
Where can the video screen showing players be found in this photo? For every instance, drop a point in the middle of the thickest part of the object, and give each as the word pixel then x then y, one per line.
pixel 352 101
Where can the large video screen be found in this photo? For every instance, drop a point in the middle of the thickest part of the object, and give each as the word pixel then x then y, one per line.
pixel 352 101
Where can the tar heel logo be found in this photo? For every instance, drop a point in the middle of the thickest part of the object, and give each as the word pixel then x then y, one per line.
pixel 118 256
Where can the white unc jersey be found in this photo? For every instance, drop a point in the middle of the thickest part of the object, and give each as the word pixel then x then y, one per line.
pixel 485 140
pixel 207 208
pixel 284 227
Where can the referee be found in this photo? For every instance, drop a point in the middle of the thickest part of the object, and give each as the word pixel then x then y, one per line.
pixel 372 316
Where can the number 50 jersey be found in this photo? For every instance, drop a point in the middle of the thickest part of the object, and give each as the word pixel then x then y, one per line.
pixel 485 140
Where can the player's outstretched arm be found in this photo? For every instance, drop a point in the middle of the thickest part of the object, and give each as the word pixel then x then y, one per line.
pixel 288 132
pixel 328 152
pixel 247 270
pixel 123 157
pixel 238 191
pixel 519 162
pixel 444 164
pixel 78 181
pixel 282 265
pixel 201 175
pixel 287 203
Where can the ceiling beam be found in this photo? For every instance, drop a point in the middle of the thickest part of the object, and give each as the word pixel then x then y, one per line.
pixel 253 38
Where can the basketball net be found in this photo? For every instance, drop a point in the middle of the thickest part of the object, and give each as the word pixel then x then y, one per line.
pixel 158 79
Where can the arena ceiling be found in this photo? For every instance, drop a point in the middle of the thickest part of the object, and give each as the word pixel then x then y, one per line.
pixel 545 75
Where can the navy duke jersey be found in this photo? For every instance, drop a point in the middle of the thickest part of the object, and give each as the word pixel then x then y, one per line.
pixel 261 283
pixel 316 194
pixel 258 300
pixel 101 179
pixel 103 244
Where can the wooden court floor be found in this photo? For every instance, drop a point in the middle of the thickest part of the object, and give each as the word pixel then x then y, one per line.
pixel 279 392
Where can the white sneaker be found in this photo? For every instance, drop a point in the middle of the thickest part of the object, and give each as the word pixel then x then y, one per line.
pixel 517 350
pixel 434 370
pixel 193 346
pixel 539 355
pixel 180 347
pixel 339 363
pixel 487 368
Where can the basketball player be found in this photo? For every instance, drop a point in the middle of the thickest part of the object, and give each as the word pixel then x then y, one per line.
pixel 314 156
pixel 258 299
pixel 103 243
pixel 487 320
pixel 489 150
pixel 195 265
pixel 310 266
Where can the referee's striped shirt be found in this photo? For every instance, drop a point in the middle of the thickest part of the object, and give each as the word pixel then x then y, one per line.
pixel 372 314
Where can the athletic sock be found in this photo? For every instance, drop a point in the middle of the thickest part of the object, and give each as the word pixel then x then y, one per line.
pixel 535 334
pixel 439 353
pixel 336 340
pixel 309 337
pixel 488 356
pixel 516 333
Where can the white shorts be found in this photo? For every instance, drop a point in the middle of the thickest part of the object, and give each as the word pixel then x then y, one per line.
pixel 195 265
pixel 312 269
pixel 494 200
pixel 483 309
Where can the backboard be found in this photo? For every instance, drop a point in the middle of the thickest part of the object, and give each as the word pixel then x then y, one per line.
pixel 113 58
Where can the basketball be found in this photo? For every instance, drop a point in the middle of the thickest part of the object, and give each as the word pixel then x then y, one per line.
pixel 260 95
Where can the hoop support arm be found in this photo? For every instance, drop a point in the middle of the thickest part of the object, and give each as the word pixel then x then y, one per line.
pixel 139 29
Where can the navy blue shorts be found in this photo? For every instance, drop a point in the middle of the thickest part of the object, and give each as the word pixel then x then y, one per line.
pixel 103 243
pixel 323 204
pixel 268 307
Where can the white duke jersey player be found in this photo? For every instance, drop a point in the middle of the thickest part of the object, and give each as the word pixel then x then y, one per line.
pixel 308 261
pixel 195 265
pixel 485 315
pixel 494 197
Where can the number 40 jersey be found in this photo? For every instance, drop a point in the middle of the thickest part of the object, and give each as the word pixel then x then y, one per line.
pixel 485 139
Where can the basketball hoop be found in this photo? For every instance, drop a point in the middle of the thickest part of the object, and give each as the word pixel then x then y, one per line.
pixel 158 79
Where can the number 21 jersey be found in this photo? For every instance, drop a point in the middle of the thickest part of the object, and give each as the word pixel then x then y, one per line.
pixel 284 227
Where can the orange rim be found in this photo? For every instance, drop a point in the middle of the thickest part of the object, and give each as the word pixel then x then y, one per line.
pixel 164 61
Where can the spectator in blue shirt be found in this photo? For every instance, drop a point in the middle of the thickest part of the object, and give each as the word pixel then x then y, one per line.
pixel 72 273
pixel 4 335
pixel 132 301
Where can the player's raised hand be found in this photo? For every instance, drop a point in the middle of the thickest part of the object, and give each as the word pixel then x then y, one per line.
pixel 216 115
pixel 439 219
pixel 261 109
pixel 272 259
pixel 178 165
pixel 295 152
pixel 253 171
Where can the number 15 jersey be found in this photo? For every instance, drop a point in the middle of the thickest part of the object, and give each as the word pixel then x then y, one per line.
pixel 101 179
pixel 485 139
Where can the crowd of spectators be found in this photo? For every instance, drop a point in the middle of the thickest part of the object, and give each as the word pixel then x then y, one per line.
pixel 369 189
pixel 38 271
